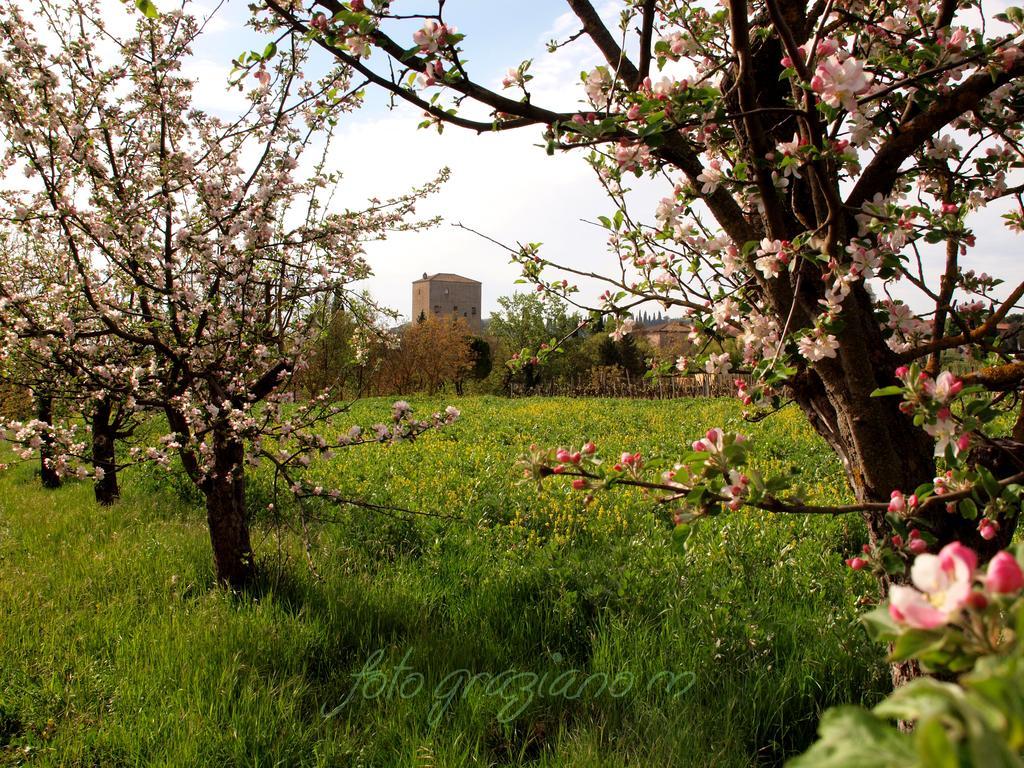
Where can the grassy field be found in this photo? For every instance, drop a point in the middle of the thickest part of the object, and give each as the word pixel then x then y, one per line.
pixel 482 638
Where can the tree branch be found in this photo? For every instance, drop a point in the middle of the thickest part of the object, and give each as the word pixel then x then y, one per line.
pixel 882 171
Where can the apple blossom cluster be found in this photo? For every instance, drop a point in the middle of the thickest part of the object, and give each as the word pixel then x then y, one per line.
pixel 67 446
pixel 953 611
pixel 711 477
pixel 958 619
pixel 930 401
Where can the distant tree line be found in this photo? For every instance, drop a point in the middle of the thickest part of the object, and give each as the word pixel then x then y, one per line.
pixel 432 354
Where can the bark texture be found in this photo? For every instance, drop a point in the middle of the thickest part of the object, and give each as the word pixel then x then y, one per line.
pixel 44 413
pixel 226 514
pixel 104 438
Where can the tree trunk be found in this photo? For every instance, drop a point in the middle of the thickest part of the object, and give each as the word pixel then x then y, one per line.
pixel 226 514
pixel 104 461
pixel 44 413
pixel 881 451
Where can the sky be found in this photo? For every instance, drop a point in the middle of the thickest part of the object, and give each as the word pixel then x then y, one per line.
pixel 503 185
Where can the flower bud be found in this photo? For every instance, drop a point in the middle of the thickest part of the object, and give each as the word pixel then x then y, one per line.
pixel 857 563
pixel 579 483
pixel 977 601
pixel 918 546
pixel 1004 574
pixel 897 503
pixel 988 529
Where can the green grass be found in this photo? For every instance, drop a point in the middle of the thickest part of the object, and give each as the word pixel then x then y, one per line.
pixel 116 650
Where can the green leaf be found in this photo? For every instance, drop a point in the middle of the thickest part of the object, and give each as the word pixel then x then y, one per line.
pixel 968 509
pixel 934 745
pixel 920 699
pixel 880 625
pixel 854 738
pixel 148 9
pixel 912 642
pixel 270 50
pixel 887 391
pixel 894 564
pixel 989 482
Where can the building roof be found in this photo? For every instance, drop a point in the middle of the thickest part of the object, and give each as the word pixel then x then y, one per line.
pixel 446 277
pixel 672 326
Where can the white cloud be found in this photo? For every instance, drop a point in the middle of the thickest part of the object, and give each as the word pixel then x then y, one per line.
pixel 502 185
pixel 211 92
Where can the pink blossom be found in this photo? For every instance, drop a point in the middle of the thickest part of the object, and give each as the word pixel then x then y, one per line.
pixel 623 329
pixel 711 177
pixel 840 80
pixel 430 37
pixel 632 156
pixel 1004 575
pixel 945 387
pixel 769 259
pixel 945 431
pixel 826 47
pixel 512 78
pixel 735 489
pixel 597 85
pixel 718 364
pixel 818 346
pixel 433 71
pixel 942 586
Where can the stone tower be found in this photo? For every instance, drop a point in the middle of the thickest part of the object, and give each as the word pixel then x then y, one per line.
pixel 445 294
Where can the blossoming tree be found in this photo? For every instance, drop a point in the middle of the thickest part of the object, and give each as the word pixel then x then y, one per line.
pixel 815 154
pixel 198 241
pixel 84 371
